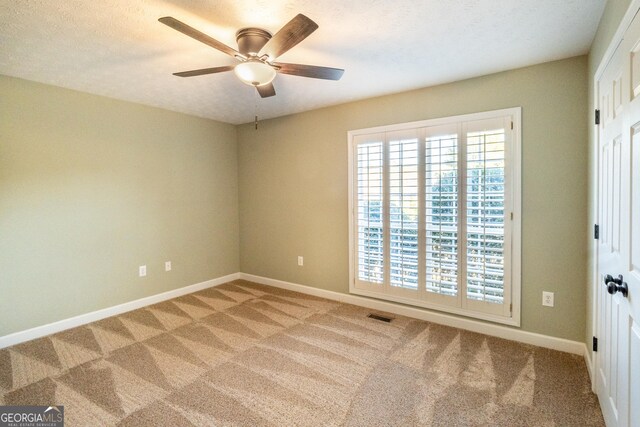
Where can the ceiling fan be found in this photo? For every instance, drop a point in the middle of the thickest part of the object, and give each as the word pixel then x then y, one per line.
pixel 257 52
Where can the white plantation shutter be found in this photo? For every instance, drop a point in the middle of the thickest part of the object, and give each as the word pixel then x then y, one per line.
pixel 433 207
pixel 403 210
pixel 441 190
pixel 485 215
pixel 369 205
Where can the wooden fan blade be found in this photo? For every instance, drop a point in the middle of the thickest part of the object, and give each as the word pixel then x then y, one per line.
pixel 266 91
pixel 203 71
pixel 197 35
pixel 312 71
pixel 290 35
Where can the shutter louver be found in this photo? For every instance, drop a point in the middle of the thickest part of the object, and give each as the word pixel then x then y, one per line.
pixel 403 213
pixel 441 189
pixel 485 215
pixel 370 212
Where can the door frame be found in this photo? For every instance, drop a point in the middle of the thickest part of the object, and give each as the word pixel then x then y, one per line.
pixel 630 14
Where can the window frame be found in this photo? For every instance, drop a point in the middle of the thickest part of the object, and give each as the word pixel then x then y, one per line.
pixel 513 169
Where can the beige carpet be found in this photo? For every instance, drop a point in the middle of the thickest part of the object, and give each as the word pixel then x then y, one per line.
pixel 249 355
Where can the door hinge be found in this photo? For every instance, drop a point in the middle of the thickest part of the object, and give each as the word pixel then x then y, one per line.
pixel 597 117
pixel 596 231
pixel 511 215
pixel 511 308
pixel 511 125
pixel 595 344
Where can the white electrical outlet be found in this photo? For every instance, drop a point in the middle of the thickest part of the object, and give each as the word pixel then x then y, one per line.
pixel 167 266
pixel 547 299
pixel 142 270
pixel 300 261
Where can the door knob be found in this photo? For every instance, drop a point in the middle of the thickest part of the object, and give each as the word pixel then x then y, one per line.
pixel 616 285
pixel 617 280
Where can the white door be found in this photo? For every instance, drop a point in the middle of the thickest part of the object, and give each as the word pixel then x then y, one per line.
pixel 618 290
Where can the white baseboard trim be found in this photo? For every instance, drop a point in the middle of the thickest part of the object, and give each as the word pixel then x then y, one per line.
pixel 417 313
pixel 83 319
pixel 499 331
pixel 590 367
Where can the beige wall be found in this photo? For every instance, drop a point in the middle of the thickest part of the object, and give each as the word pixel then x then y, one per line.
pixel 293 184
pixel 613 13
pixel 92 187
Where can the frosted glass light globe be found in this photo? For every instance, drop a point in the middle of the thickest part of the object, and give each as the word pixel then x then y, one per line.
pixel 255 73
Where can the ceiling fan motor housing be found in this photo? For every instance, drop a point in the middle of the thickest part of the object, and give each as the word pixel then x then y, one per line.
pixel 251 40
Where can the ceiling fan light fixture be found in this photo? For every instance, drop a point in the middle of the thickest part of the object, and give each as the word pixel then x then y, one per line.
pixel 255 73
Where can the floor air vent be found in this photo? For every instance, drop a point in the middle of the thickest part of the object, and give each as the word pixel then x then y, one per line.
pixel 378 317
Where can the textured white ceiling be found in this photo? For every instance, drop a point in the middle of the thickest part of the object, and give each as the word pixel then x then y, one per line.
pixel 117 48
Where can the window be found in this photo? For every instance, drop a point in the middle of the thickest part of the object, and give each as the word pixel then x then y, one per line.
pixel 435 214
